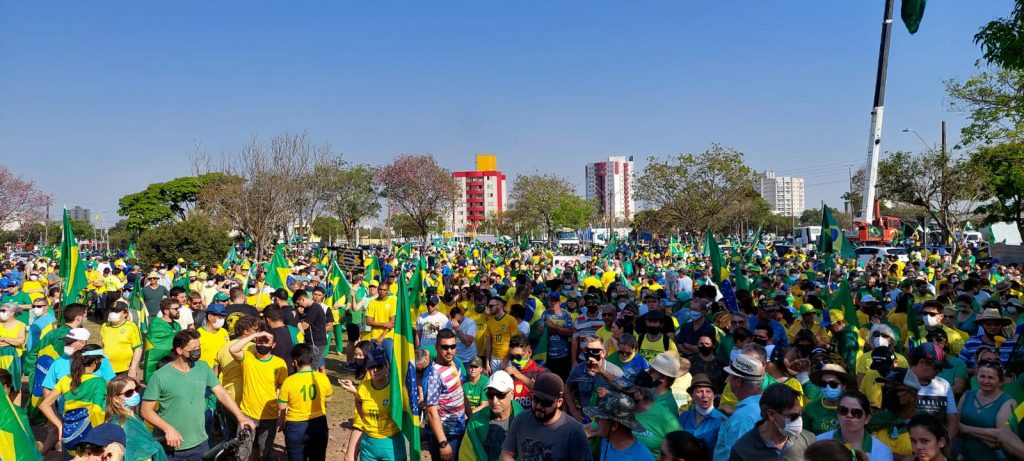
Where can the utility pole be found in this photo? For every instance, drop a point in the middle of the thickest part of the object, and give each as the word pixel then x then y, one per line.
pixel 46 224
pixel 942 184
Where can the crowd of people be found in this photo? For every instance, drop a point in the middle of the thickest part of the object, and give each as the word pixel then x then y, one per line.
pixel 636 353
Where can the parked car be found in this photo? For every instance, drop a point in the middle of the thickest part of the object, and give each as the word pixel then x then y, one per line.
pixel 867 254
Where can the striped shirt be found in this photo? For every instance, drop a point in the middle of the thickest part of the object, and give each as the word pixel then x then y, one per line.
pixel 972 345
pixel 442 387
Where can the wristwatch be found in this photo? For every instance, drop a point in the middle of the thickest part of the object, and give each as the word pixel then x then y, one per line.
pixel 443 444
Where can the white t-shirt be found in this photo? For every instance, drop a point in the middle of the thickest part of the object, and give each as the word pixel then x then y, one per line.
pixel 428 325
pixel 524 327
pixel 879 450
pixel 936 398
pixel 185 317
pixel 463 352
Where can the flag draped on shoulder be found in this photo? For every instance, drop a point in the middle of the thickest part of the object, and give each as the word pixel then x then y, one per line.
pixel 16 440
pixel 340 288
pixel 403 369
pixel 278 270
pixel 72 271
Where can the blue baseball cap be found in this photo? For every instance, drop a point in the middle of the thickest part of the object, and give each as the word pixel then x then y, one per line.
pixel 103 435
pixel 216 309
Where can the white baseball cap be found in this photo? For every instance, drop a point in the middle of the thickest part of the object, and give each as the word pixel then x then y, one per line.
pixel 78 334
pixel 500 381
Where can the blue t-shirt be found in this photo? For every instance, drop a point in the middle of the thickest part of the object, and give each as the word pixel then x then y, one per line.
pixel 636 452
pixel 61 367
pixel 558 346
pixel 708 428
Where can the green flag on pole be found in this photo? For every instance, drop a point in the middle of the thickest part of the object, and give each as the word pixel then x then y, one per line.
pixel 718 270
pixel 72 270
pixel 16 440
pixel 843 301
pixel 230 259
pixel 911 11
pixel 279 270
pixel 340 287
pixel 404 395
pixel 832 239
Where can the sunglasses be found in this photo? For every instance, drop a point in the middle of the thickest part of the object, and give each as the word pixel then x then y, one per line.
pixel 591 350
pixel 542 402
pixel 832 384
pixel 376 368
pixel 86 449
pixel 129 393
pixel 497 395
pixel 852 412
pixel 608 314
pixel 446 347
pixel 792 417
pixel 990 363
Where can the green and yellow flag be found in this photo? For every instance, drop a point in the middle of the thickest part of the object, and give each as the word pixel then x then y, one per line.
pixel 719 271
pixel 832 239
pixel 132 252
pixel 278 270
pixel 137 307
pixel 843 301
pixel 340 288
pixel 403 370
pixel 72 270
pixel 373 270
pixel 230 259
pixel 16 440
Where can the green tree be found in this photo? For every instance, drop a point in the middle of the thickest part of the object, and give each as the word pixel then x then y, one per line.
pixel 1004 164
pixel 351 197
pixel 120 236
pixel 947 188
pixel 328 228
pixel 691 191
pixel 547 202
pixel 196 238
pixel 994 104
pixel 1002 39
pixel 164 201
pixel 407 227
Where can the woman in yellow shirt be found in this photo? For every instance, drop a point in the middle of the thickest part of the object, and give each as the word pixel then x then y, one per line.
pixel 12 331
pixel 374 437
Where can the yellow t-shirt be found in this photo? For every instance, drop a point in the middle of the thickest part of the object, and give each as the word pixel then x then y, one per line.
pixel 119 344
pixel 607 278
pixel 210 344
pixel 306 394
pixel 650 349
pixel 871 389
pixel 591 281
pixel 111 283
pixel 500 331
pixel 231 370
pixel 29 286
pixel 899 446
pixel 373 412
pixel 260 381
pixel 14 332
pixel 380 311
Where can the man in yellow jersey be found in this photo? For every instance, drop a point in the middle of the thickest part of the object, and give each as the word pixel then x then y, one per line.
pixel 231 370
pixel 380 317
pixel 301 405
pixel 498 329
pixel 122 341
pixel 375 436
pixel 212 335
pixel 262 375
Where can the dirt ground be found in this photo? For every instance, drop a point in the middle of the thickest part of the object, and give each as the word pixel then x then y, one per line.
pixel 339 408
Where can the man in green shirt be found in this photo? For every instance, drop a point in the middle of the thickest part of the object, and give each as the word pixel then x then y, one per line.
pixel 474 386
pixel 180 389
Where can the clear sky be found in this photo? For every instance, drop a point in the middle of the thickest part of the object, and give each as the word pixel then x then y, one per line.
pixel 99 99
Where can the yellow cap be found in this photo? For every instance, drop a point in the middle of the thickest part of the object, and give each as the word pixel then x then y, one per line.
pixel 836 315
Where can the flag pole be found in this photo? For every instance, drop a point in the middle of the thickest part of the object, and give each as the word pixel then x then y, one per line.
pixel 875 140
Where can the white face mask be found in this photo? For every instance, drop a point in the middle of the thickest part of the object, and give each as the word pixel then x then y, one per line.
pixel 4 316
pixel 37 311
pixel 793 428
pixel 162 271
pixel 34 278
pixel 209 283
pixel 219 323
pixel 704 411
pixel 879 341
pixel 114 317
pixel 931 321
pixel 69 351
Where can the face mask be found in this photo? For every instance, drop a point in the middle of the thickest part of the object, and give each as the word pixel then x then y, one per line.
pixel 694 315
pixel 622 305
pixel 792 428
pixel 519 363
pixel 891 401
pixel 114 317
pixel 831 393
pixel 193 356
pixel 263 349
pixel 805 349
pixel 37 311
pixel 162 271
pixel 209 283
pixel 705 350
pixel 931 320
pixel 219 323
pixel 133 401
pixel 803 377
pixel 643 379
pixel 126 295
pixel 4 316
pixel 360 363
pixel 734 353
pixel 69 351
pixel 704 411
pixel 879 341
pixel 34 278
pixel 591 308
pixel 762 342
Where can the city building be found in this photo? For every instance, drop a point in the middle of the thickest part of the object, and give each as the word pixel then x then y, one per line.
pixel 783 193
pixel 80 214
pixel 482 192
pixel 610 184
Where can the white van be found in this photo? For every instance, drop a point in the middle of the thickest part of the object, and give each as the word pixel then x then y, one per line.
pixel 867 254
pixel 806 236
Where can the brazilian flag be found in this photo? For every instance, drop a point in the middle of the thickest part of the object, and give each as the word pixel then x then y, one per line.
pixel 16 441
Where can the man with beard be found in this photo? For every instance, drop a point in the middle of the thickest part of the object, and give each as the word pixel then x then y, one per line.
pixel 546 432
pixel 160 336
pixel 444 400
pixel 180 418
pixel 488 427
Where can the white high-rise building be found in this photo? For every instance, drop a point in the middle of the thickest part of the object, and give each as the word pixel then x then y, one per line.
pixel 783 193
pixel 610 184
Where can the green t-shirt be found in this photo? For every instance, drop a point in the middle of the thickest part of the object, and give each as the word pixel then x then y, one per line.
pixel 182 398
pixel 474 392
pixel 20 298
pixel 959 369
pixel 657 421
pixel 668 401
pixel 819 418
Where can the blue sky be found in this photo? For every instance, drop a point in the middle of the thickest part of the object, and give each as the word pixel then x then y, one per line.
pixel 99 99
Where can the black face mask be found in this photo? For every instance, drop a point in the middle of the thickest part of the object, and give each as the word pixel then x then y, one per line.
pixel 705 350
pixel 762 342
pixel 891 401
pixel 361 363
pixel 643 379
pixel 592 308
pixel 805 349
pixel 263 349
pixel 193 355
